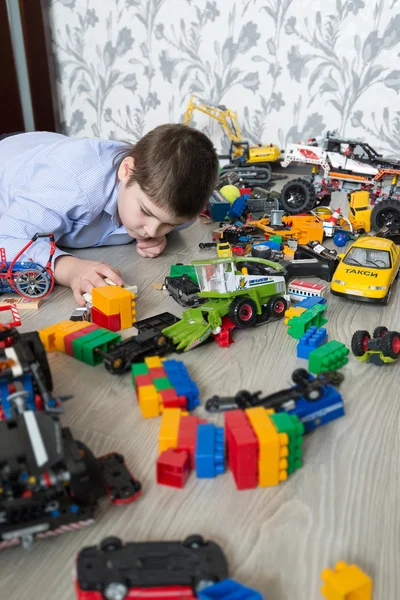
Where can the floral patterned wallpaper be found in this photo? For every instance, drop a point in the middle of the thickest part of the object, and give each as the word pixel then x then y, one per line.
pixel 290 68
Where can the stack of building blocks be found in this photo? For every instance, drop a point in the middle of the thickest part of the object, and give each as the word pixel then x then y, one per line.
pixel 210 451
pixel 163 384
pixel 263 448
pixel 330 357
pixel 312 339
pixel 346 582
pixel 228 589
pixel 308 303
pixel 78 339
pixel 113 307
pixel 299 324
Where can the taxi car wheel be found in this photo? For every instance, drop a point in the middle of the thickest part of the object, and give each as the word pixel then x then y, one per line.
pixel 386 299
pixel 391 344
pixel 359 342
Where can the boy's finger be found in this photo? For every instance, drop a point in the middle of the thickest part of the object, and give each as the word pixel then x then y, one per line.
pixel 80 300
pixel 97 280
pixel 113 274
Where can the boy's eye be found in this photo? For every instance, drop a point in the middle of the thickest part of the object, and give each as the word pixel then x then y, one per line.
pixel 144 212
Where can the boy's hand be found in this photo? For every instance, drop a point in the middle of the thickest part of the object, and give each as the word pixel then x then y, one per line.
pixel 151 247
pixel 83 275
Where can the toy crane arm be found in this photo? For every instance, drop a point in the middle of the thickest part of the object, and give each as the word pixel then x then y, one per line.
pixel 226 118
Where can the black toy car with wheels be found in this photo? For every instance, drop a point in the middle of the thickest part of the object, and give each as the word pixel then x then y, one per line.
pixel 313 260
pixel 382 348
pixel 51 483
pixel 115 570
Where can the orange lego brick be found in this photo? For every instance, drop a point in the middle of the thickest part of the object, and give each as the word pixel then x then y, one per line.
pixel 107 298
pixel 52 337
pixel 169 429
pixel 64 331
pixel 346 582
pixel 127 310
pixel 149 401
pixel 273 448
pixel 153 362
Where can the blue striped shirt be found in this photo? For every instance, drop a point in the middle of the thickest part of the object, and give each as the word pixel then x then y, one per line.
pixel 53 183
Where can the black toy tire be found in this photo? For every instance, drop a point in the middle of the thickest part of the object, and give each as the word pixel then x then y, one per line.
pixel 110 544
pixel 276 307
pixel 359 342
pixel 305 196
pixel 261 251
pixel 314 391
pixel 391 344
pixel 300 376
pixel 243 312
pixel 194 542
pixel 385 212
pixel 380 332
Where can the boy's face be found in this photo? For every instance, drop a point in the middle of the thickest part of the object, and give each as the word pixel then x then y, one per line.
pixel 140 216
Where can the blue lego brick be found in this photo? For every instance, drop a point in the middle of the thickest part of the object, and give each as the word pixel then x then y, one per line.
pixel 313 338
pixel 228 589
pixel 184 385
pixel 210 451
pixel 311 301
pixel 315 413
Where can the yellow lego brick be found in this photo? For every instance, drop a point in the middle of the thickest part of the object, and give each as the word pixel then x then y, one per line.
pixel 293 311
pixel 48 334
pixel 346 582
pixel 169 429
pixel 273 448
pixel 153 362
pixel 108 298
pixel 149 401
pixel 125 309
pixel 64 331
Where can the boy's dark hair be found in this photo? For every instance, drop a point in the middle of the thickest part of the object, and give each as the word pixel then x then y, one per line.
pixel 176 166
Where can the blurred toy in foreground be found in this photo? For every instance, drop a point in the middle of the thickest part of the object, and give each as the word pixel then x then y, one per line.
pixel 380 349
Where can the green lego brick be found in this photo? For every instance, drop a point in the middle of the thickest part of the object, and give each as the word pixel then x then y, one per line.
pixel 162 383
pixel 83 347
pixel 275 238
pixel 90 356
pixel 330 357
pixel 79 342
pixel 297 326
pixel 291 425
pixel 139 369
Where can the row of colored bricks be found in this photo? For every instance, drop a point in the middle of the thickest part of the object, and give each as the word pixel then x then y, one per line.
pixel 263 447
pixel 163 384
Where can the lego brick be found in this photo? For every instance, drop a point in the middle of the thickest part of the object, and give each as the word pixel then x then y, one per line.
pixel 184 385
pixel 346 582
pixel 169 429
pixel 313 414
pixel 127 310
pixel 174 402
pixel 141 380
pixel 228 589
pixel 153 362
pixel 242 449
pixel 293 311
pixel 313 316
pixel 107 298
pixel 111 322
pixel 89 355
pixel 210 451
pixel 173 468
pixel 157 372
pixel 311 301
pixel 149 400
pixel 162 383
pixel 62 332
pixel 329 357
pixel 187 436
pixel 140 369
pixel 72 336
pixel 273 453
pixel 291 425
pixel 80 342
pixel 312 339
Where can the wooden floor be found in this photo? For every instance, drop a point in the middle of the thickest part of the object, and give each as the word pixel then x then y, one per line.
pixel 342 505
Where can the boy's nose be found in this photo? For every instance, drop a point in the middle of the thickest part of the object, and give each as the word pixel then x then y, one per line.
pixel 151 230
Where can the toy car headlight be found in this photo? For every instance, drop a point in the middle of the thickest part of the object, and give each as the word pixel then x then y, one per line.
pixel 377 287
pixel 339 282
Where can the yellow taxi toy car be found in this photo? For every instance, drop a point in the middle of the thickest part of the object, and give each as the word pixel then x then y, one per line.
pixel 367 271
pixel 224 250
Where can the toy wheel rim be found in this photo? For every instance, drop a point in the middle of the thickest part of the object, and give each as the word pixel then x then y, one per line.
pixel 296 197
pixel 245 312
pixel 396 345
pixel 388 216
pixel 32 283
pixel 115 591
pixel 364 343
pixel 279 307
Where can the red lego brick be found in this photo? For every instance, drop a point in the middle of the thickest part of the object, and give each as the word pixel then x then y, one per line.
pixel 187 436
pixel 242 449
pixel 170 399
pixel 156 372
pixel 75 334
pixel 141 380
pixel 224 337
pixel 173 468
pixel 113 322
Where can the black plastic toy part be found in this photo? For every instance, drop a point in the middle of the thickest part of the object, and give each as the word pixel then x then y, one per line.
pixel 159 322
pixel 194 562
pixel 313 260
pixel 184 291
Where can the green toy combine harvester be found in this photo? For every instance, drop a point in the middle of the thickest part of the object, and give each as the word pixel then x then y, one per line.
pixel 248 291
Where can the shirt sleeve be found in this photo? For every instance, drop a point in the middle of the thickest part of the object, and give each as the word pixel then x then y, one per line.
pixel 50 201
pixel 184 225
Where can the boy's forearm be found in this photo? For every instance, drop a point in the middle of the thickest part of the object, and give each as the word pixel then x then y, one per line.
pixel 64 267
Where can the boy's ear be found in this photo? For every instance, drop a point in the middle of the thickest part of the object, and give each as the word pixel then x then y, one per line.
pixel 125 169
